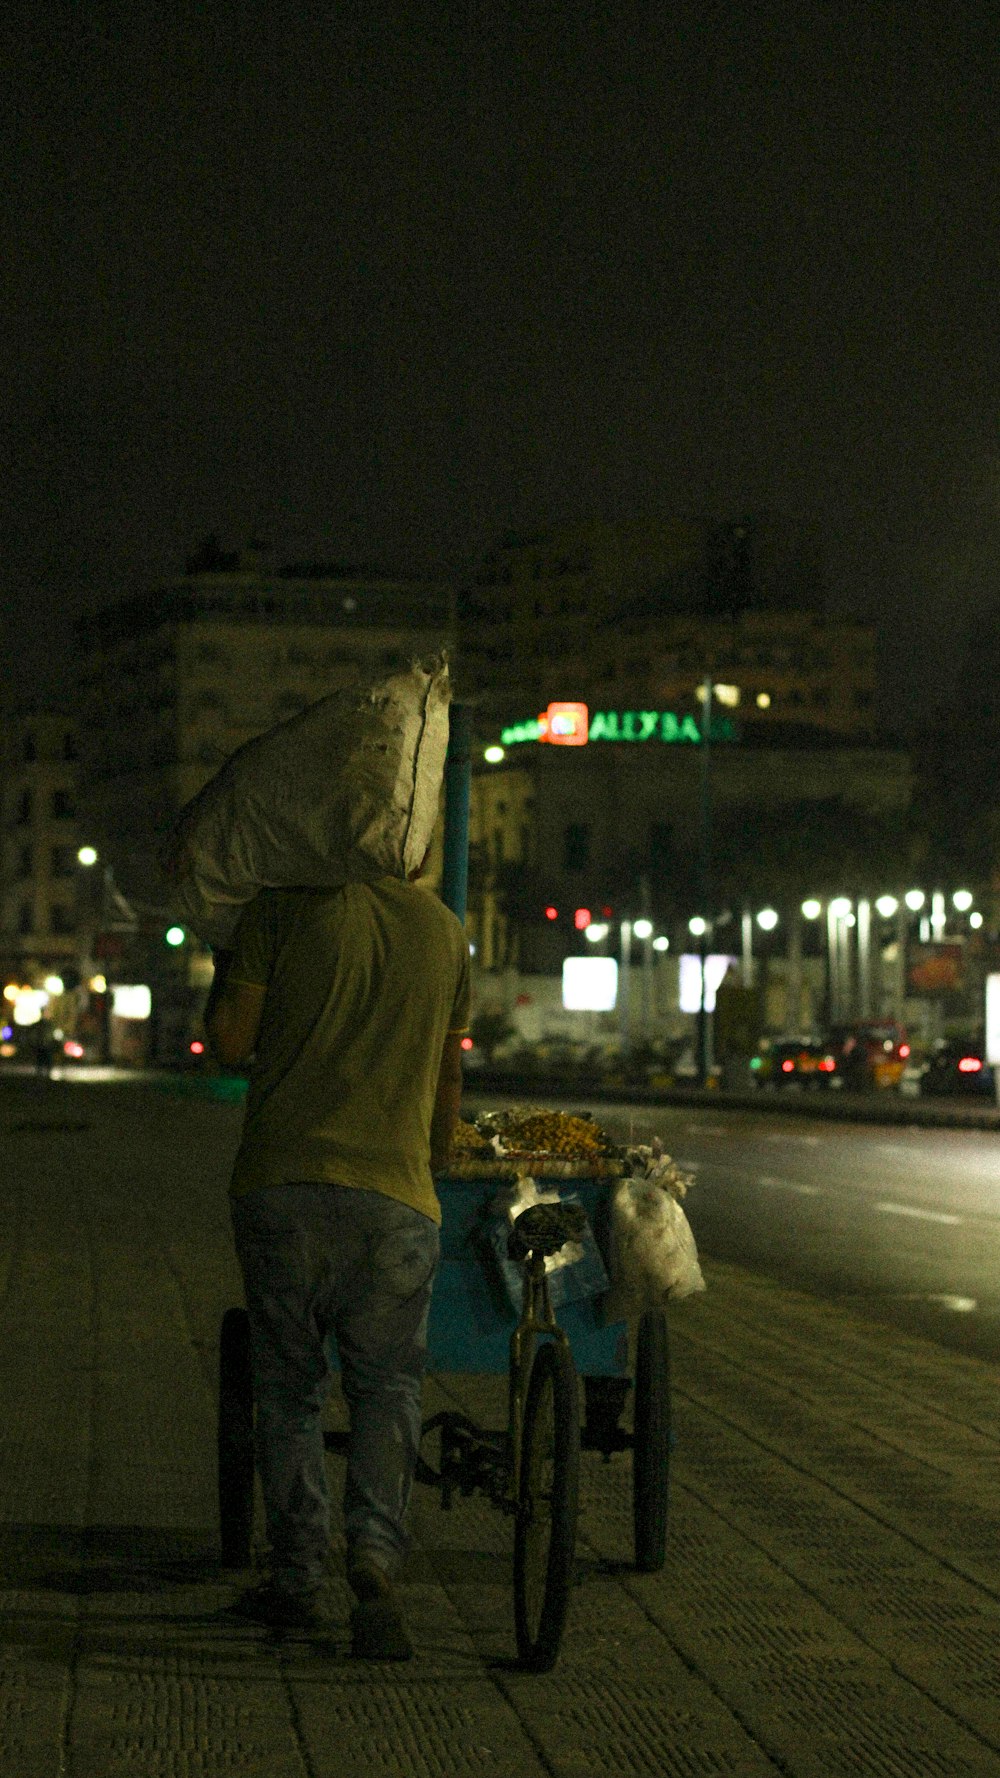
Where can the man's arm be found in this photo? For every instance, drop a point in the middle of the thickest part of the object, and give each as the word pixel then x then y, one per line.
pixel 447 1102
pixel 232 1015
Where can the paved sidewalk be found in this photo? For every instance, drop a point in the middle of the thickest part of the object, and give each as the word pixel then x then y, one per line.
pixel 830 1604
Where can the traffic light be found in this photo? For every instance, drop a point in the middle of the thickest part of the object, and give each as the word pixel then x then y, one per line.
pixel 581 919
pixel 552 913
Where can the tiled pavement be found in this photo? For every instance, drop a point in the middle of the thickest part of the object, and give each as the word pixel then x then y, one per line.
pixel 830 1605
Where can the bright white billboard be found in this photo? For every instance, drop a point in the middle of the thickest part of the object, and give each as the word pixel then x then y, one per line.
pixel 131 1001
pixel 589 984
pixel 993 1021
pixel 690 980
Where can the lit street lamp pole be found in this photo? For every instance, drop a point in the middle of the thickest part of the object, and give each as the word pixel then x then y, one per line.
pixel 705 857
pixel 624 970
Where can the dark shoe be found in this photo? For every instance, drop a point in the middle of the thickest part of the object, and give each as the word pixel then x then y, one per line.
pixel 367 1578
pixel 268 1604
pixel 378 1632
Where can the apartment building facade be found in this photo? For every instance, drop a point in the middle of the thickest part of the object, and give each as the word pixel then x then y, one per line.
pixel 39 900
pixel 639 615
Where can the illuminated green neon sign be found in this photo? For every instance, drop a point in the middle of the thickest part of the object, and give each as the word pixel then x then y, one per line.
pixel 630 725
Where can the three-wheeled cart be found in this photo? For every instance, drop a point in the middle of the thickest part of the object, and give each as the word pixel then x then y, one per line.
pixel 530 1468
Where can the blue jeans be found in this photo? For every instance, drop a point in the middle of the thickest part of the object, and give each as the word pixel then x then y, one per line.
pixel 325 1262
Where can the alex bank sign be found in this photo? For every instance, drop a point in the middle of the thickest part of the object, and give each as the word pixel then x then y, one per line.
pixel 571 725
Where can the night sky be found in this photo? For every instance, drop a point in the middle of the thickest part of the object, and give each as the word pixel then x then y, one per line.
pixel 379 282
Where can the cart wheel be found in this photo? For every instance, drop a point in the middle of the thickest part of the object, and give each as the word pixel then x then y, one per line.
pixel 651 1441
pixel 545 1527
pixel 236 1467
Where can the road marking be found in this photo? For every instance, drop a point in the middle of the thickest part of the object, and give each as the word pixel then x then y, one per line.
pixel 789 1136
pixel 914 1210
pixel 790 1185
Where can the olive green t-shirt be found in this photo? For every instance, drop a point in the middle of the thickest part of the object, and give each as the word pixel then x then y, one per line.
pixel 362 985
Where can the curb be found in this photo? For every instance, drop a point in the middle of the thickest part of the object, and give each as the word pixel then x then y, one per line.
pixel 880 1108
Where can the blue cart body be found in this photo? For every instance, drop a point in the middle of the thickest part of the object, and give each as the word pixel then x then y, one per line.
pixel 472 1318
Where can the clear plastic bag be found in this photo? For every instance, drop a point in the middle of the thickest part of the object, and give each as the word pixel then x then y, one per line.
pixel 574 1273
pixel 654 1255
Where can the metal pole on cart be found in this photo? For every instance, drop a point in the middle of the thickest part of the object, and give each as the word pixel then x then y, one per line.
pixel 457 786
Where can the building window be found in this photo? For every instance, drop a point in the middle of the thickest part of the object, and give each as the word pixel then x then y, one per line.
pixel 61 917
pixel 576 846
pixel 25 862
pixel 662 861
pixel 69 747
pixel 24 808
pixel 62 861
pixel 25 919
pixel 63 807
pixel 29 749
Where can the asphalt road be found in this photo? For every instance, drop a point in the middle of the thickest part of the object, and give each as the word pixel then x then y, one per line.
pixel 900 1223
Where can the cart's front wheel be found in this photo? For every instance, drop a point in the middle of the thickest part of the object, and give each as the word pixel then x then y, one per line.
pixel 545 1527
pixel 651 1441
pixel 236 1468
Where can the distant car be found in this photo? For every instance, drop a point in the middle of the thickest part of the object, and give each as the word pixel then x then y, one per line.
pixel 872 1053
pixel 958 1065
pixel 796 1062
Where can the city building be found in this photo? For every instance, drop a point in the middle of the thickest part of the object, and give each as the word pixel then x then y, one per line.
pixel 38 844
pixel 638 615
pixel 173 681
pixel 609 826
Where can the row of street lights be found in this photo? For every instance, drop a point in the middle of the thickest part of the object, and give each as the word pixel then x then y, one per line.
pixel 849 942
pixel 851 980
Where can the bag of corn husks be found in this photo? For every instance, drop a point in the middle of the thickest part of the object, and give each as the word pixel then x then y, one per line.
pixel 346 791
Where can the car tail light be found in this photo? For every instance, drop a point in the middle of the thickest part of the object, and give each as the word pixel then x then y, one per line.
pixel 827 1064
pixel 70 1048
pixel 197 1048
pixel 904 1050
pixel 788 1067
pixel 969 1065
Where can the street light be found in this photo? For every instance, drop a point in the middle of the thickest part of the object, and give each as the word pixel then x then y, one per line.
pixel 914 899
pixel 962 900
pixel 886 905
pixel 642 928
pixel 840 907
pixel 812 908
pixel 767 919
pixel 595 932
pixel 697 927
pixel 975 921
pixel 662 943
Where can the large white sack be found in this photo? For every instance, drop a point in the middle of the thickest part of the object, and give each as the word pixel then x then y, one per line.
pixel 346 791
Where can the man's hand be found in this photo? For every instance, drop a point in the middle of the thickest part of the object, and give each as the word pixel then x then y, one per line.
pixel 232 1015
pixel 447 1102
